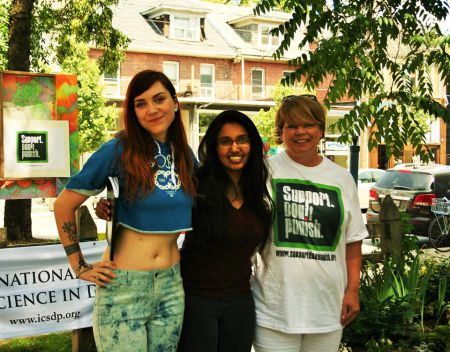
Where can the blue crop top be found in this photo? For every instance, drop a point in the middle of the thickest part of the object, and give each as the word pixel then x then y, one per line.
pixel 167 209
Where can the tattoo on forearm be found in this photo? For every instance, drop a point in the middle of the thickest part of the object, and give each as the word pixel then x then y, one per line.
pixel 72 248
pixel 70 228
pixel 82 267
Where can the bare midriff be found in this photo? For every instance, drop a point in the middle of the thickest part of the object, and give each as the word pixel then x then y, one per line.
pixel 139 251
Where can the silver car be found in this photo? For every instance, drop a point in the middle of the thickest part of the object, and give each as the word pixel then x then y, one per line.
pixel 366 179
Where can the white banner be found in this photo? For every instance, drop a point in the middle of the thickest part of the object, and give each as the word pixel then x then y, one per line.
pixel 39 292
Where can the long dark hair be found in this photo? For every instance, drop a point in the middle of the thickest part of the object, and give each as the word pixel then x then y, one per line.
pixel 138 148
pixel 213 182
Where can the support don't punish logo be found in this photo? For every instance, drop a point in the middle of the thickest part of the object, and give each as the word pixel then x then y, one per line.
pixel 309 216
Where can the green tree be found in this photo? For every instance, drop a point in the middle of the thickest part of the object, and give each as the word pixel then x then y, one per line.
pixel 57 23
pixel 4 11
pixel 44 31
pixel 380 53
pixel 95 119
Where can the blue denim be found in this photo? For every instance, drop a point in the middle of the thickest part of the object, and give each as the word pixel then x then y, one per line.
pixel 140 311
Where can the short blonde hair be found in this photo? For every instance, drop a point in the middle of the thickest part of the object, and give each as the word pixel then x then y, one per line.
pixel 295 108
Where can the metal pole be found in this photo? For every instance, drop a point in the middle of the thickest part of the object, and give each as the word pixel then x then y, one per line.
pixel 354 158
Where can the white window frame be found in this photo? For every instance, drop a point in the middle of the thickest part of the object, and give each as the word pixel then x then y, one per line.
pixel 176 65
pixel 185 31
pixel 205 91
pixel 270 36
pixel 263 84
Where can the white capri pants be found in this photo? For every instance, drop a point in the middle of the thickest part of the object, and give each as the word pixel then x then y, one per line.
pixel 268 340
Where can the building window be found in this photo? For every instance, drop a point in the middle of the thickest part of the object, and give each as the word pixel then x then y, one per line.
pixel 185 27
pixel 257 83
pixel 171 70
pixel 111 84
pixel 110 77
pixel 266 38
pixel 207 80
pixel 248 33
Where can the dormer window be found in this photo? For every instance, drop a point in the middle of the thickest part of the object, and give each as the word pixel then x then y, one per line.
pixel 255 30
pixel 185 27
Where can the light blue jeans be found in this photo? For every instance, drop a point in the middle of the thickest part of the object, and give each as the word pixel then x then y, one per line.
pixel 140 311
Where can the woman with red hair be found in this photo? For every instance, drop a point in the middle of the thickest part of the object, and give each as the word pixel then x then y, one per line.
pixel 140 299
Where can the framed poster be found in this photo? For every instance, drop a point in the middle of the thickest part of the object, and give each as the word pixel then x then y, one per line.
pixel 39 133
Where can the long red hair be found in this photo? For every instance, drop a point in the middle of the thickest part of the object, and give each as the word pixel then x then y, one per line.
pixel 138 145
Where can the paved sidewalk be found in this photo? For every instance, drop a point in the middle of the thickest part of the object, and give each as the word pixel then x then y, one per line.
pixel 43 220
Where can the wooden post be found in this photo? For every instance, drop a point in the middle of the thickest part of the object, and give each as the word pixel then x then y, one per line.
pixel 3 238
pixel 87 229
pixel 83 340
pixel 390 228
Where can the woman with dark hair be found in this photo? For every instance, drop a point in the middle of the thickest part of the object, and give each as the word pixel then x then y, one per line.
pixel 139 300
pixel 231 218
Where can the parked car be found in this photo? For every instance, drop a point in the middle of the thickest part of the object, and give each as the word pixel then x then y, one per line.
pixel 410 165
pixel 412 190
pixel 366 180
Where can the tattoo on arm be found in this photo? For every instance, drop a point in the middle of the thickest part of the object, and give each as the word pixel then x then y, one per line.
pixel 82 267
pixel 72 248
pixel 70 227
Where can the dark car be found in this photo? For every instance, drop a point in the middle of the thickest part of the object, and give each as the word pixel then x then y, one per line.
pixel 412 190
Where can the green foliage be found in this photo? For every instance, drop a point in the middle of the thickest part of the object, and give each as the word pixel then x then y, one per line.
pixel 437 300
pixel 264 122
pixel 405 223
pixel 379 53
pixel 4 10
pixel 95 119
pixel 382 345
pixel 59 30
pixel 400 301
pixel 437 340
pixel 59 342
pixel 56 23
pixel 205 119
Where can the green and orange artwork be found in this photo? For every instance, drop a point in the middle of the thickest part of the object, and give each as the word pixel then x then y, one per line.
pixel 40 97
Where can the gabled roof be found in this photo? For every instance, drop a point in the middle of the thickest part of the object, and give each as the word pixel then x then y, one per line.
pixel 221 40
pixel 176 6
pixel 129 19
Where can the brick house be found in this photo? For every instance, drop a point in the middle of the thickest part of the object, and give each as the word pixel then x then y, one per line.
pixel 219 57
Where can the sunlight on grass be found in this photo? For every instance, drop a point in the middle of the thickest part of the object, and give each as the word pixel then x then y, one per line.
pixel 58 342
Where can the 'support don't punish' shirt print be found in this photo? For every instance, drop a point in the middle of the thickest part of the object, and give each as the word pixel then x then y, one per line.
pixel 308 215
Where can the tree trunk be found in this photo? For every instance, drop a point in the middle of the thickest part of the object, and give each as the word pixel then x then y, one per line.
pixel 19 40
pixel 17 218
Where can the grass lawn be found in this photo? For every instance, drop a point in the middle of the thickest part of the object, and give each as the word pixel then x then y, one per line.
pixel 57 342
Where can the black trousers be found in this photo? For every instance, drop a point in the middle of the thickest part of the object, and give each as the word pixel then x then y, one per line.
pixel 218 325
